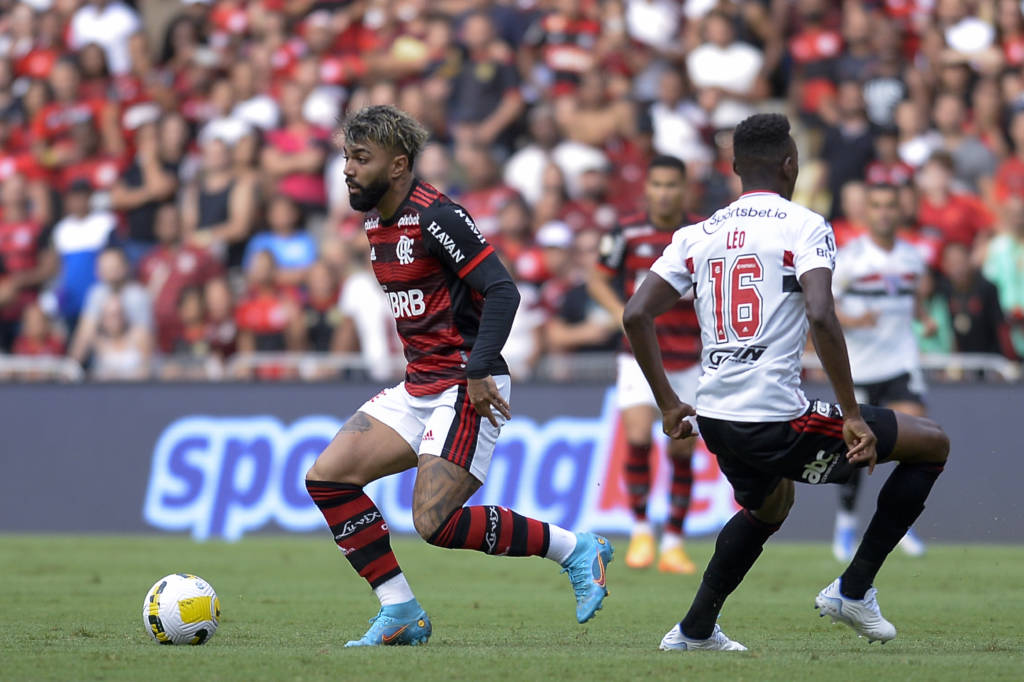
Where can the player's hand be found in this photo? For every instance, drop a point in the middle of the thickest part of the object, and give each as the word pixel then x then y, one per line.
pixel 929 327
pixel 484 394
pixel 860 441
pixel 674 421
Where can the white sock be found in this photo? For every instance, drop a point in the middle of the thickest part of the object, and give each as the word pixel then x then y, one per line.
pixel 642 528
pixel 561 543
pixel 845 520
pixel 671 541
pixel 394 591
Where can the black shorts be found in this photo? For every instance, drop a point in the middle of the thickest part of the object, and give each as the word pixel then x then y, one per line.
pixel 905 388
pixel 755 456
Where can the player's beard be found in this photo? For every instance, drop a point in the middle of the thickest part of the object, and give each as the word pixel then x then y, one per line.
pixel 369 196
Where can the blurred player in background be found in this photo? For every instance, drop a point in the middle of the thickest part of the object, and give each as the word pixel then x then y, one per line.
pixel 627 254
pixel 453 303
pixel 761 269
pixel 876 287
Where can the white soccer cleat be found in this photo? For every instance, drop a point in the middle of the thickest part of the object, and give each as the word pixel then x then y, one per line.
pixel 863 615
pixel 911 545
pixel 675 640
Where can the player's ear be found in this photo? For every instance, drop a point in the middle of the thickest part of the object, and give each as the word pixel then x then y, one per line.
pixel 399 165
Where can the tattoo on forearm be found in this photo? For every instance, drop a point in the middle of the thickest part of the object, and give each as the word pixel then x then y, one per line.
pixel 359 423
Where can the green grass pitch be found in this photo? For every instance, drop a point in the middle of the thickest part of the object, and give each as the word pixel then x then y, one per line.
pixel 70 609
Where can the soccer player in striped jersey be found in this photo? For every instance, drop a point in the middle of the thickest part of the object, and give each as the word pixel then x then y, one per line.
pixel 761 271
pixel 627 254
pixel 876 286
pixel 453 303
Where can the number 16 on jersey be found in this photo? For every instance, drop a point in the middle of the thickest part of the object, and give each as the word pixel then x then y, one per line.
pixel 734 288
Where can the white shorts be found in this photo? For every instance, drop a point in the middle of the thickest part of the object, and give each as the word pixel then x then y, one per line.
pixel 444 424
pixel 632 389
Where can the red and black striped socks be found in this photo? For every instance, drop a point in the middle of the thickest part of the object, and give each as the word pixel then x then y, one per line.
pixel 493 530
pixel 358 528
pixel 638 478
pixel 679 495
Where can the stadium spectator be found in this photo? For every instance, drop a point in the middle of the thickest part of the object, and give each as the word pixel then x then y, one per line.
pixel 564 44
pixel 253 105
pixel 574 321
pixel 321 316
pixel 108 23
pixel 84 160
pixel 986 118
pixel 1009 178
pixel 368 325
pixel 973 301
pixel 37 334
pixel 485 193
pixel 592 208
pixel 114 281
pixel 1004 267
pixel 53 122
pixel 268 315
pixel 293 249
pixel 27 259
pixel 219 206
pixel 678 124
pixel 190 341
pixel 514 240
pixel 849 144
pixel 887 168
pixel 219 122
pixel 726 72
pixel 485 104
pixel 295 153
pixel 916 142
pixel 953 216
pixel 78 238
pixel 525 345
pixel 222 330
pixel 150 182
pixel 119 350
pixel 815 47
pixel 170 268
pixel 524 170
pixel 598 110
pixel 853 204
pixel 973 162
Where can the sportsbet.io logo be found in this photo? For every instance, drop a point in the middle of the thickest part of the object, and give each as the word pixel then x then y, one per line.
pixel 225 476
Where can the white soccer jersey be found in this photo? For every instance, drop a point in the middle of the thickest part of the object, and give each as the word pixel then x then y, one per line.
pixel 870 279
pixel 744 263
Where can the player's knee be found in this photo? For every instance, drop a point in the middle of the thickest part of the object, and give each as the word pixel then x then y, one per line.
pixel 777 505
pixel 938 442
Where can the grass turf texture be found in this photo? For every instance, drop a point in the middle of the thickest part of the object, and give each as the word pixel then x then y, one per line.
pixel 72 611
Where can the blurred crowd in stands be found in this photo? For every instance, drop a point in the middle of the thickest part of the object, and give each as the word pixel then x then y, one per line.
pixel 171 197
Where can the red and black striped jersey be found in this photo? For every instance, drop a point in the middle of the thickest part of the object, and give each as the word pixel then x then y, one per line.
pixel 424 257
pixel 628 252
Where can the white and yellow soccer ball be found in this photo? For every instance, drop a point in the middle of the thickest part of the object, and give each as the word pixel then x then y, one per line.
pixel 181 608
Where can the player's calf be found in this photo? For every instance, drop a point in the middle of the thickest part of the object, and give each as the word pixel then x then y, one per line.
pixel 921 449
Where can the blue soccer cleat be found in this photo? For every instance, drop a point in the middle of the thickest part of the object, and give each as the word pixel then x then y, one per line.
pixel 586 567
pixel 397 625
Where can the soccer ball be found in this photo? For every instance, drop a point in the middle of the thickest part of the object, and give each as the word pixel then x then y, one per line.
pixel 181 608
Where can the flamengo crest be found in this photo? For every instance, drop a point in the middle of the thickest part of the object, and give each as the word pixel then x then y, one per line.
pixel 404 250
